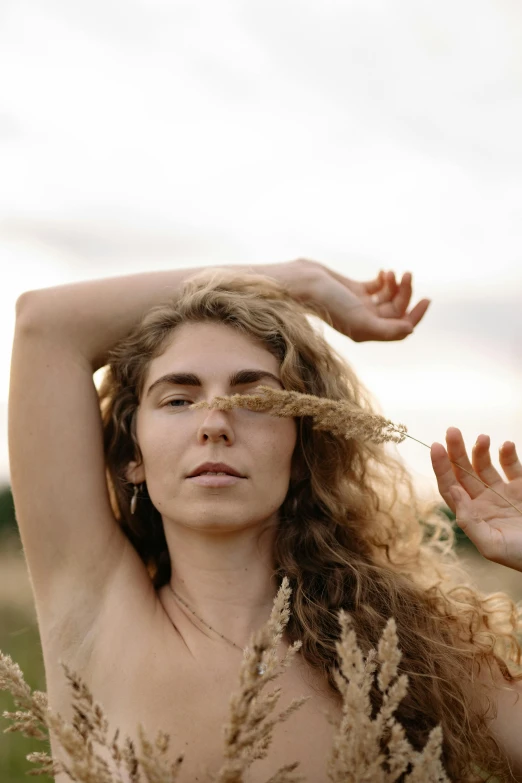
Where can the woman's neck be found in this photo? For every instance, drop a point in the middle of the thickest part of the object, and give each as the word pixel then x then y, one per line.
pixel 226 579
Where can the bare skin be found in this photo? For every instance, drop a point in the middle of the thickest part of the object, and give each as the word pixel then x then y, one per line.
pixel 154 676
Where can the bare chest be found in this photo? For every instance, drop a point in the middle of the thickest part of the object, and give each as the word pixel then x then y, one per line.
pixel 151 677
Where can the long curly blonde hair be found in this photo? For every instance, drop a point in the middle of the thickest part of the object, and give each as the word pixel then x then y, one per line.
pixel 351 533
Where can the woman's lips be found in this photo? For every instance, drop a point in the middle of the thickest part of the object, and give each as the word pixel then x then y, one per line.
pixel 215 481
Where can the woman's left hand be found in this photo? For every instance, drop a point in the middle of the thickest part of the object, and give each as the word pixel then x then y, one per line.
pixel 371 310
pixel 490 523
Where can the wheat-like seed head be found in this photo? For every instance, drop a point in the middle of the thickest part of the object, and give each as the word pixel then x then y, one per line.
pixel 248 733
pixel 356 755
pixel 339 417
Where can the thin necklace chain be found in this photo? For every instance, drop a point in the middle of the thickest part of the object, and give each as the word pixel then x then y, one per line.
pixel 261 667
pixel 204 623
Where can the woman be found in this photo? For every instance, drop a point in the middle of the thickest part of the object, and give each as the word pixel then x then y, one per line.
pixel 150 584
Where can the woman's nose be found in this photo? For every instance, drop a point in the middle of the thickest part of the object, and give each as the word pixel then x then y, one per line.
pixel 215 426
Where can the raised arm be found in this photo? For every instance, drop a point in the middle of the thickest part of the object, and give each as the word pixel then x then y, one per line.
pixel 72 543
pixel 69 534
pixel 99 313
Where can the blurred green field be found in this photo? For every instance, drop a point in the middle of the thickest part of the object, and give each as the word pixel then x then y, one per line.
pixel 19 638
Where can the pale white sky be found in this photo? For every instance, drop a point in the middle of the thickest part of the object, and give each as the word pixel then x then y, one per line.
pixel 145 134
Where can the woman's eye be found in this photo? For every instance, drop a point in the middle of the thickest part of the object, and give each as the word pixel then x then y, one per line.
pixel 169 404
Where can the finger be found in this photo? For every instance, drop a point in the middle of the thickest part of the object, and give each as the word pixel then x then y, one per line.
pixel 444 474
pixel 392 284
pixel 388 291
pixel 481 460
pixel 375 285
pixel 417 313
pixel 509 461
pixel 403 295
pixel 394 330
pixel 458 455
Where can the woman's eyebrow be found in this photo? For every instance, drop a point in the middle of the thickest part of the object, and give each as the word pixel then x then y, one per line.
pixel 238 378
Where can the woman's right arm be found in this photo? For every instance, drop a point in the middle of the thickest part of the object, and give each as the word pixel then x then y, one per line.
pixel 67 527
pixel 90 318
pixel 72 543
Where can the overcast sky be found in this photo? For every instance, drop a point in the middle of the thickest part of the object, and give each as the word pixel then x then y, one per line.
pixel 145 134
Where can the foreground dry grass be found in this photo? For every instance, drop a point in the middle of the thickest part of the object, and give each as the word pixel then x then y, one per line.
pixel 356 754
pixel 19 639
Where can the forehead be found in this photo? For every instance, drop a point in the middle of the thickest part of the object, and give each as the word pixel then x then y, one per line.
pixel 210 349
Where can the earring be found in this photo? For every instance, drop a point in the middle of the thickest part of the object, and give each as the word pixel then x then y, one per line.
pixel 134 500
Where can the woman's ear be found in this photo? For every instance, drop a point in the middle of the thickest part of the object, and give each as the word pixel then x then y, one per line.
pixel 135 472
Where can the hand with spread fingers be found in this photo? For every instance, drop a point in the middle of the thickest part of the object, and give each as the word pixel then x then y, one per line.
pixel 373 310
pixel 492 523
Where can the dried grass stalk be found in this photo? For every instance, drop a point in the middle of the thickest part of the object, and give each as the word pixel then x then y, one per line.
pixel 339 417
pixel 249 732
pixel 77 739
pixel 247 736
pixel 356 755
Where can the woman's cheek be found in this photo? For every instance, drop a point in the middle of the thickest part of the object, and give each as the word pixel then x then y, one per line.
pixel 162 447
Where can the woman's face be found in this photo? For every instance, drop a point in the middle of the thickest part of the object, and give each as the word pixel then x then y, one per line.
pixel 175 440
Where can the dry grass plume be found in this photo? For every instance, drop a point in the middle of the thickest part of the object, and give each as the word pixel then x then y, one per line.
pixel 340 417
pixel 356 752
